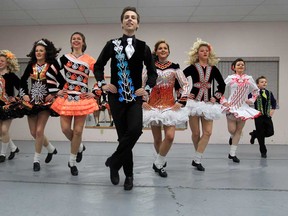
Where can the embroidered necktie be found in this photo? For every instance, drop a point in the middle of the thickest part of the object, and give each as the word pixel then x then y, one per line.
pixel 264 94
pixel 129 48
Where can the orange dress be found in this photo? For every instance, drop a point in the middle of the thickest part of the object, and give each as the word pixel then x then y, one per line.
pixel 77 70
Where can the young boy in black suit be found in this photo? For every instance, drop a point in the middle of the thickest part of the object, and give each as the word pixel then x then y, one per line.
pixel 265 103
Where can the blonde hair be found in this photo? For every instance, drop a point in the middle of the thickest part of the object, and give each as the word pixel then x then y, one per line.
pixel 193 53
pixel 12 62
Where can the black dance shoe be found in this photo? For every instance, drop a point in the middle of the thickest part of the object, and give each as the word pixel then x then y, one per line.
pixel 263 155
pixel 80 155
pixel 2 158
pixel 12 153
pixel 252 139
pixel 50 155
pixel 198 166
pixel 36 166
pixel 234 158
pixel 128 183
pixel 162 172
pixel 230 141
pixel 73 170
pixel 114 175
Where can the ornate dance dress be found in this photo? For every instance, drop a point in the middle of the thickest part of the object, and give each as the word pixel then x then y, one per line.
pixel 202 90
pixel 44 81
pixel 77 72
pixel 162 97
pixel 9 110
pixel 240 86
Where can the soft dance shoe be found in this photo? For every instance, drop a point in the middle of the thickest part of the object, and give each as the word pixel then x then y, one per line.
pixel 2 158
pixel 50 155
pixel 36 166
pixel 73 170
pixel 162 172
pixel 198 166
pixel 234 158
pixel 80 155
pixel 12 153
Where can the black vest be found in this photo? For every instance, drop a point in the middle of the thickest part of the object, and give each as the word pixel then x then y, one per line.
pixel 135 64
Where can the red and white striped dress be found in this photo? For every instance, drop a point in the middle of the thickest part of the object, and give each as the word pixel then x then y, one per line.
pixel 239 87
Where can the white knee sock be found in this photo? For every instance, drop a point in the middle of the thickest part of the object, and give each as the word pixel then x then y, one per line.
pixel 233 149
pixel 50 148
pixel 37 157
pixel 72 160
pixel 12 146
pixel 4 148
pixel 198 156
pixel 160 161
pixel 81 147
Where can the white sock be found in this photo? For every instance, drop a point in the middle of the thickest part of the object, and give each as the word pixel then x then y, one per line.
pixel 72 160
pixel 81 147
pixel 198 156
pixel 233 149
pixel 37 157
pixel 160 161
pixel 4 148
pixel 50 148
pixel 12 146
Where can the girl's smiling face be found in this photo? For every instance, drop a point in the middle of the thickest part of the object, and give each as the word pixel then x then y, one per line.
pixel 239 67
pixel 40 53
pixel 162 52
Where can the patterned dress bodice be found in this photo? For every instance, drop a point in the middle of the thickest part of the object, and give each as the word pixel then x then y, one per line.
pixel 3 95
pixel 240 87
pixel 76 74
pixel 39 89
pixel 162 95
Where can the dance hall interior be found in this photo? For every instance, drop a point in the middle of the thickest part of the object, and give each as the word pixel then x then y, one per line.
pixel 254 30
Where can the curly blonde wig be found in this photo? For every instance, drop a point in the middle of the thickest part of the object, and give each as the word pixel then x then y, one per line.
pixel 193 53
pixel 12 62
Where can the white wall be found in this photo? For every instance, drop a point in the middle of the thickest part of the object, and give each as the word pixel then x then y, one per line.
pixel 228 39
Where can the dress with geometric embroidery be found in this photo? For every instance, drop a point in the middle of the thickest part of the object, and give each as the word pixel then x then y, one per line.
pixel 162 97
pixel 9 109
pixel 45 79
pixel 74 102
pixel 203 90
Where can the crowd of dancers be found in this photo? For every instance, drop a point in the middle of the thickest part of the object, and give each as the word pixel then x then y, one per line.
pixel 160 97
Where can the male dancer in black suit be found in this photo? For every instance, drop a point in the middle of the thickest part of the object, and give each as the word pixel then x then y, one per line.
pixel 266 103
pixel 125 91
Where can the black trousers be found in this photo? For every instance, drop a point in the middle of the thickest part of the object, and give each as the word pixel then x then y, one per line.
pixel 128 120
pixel 264 128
